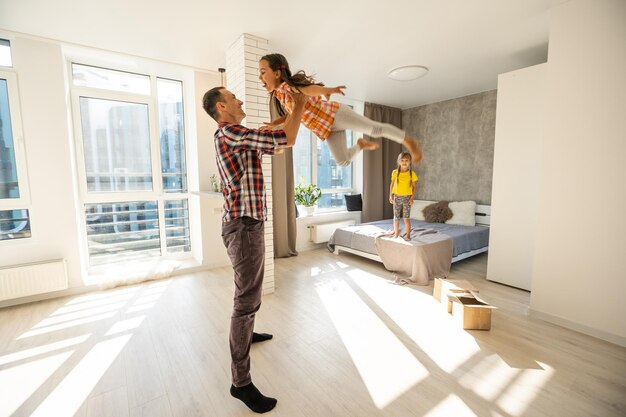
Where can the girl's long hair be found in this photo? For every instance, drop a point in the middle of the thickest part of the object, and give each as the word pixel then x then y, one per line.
pixel 406 155
pixel 278 62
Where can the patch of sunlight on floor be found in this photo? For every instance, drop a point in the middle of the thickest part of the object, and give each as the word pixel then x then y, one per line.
pixel 315 271
pixel 29 353
pixel 124 325
pixel 69 395
pixel 19 382
pixel 139 307
pixel 522 390
pixel 387 367
pixel 66 325
pixel 78 315
pixel 90 304
pixel 422 318
pixel 101 295
pixel 451 406
pixel 489 377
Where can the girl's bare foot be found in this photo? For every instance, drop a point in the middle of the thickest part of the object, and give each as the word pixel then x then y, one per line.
pixel 414 149
pixel 367 145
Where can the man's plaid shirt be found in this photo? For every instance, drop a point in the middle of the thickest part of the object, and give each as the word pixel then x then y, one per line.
pixel 238 155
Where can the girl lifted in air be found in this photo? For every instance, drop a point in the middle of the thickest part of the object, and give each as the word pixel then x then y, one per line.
pixel 328 120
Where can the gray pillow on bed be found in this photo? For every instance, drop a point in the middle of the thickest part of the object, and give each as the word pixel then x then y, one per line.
pixel 437 212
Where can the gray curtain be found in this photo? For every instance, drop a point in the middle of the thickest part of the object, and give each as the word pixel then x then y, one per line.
pixel 378 164
pixel 284 215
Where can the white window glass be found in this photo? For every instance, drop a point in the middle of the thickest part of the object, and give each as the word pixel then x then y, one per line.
pixel 106 79
pixel 5 53
pixel 135 167
pixel 14 201
pixel 329 174
pixel 116 145
pixel 313 163
pixel 177 226
pixel 14 224
pixel 172 135
pixel 302 156
pixel 122 231
pixel 9 187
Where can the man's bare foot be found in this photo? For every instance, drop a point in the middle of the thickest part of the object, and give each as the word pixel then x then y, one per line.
pixel 367 145
pixel 414 149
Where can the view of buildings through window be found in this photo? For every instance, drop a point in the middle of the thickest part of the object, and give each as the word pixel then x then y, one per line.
pixel 313 163
pixel 126 165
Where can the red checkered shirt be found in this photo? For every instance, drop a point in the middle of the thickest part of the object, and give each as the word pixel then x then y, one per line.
pixel 238 155
pixel 318 115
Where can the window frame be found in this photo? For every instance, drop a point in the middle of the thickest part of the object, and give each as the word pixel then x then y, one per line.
pixel 23 202
pixel 157 193
pixel 356 165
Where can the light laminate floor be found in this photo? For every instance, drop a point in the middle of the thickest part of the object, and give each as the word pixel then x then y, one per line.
pixel 346 343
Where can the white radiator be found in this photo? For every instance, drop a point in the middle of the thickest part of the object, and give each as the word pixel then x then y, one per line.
pixel 34 278
pixel 321 232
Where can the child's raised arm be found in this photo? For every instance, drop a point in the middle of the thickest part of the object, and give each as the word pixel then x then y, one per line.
pixel 320 90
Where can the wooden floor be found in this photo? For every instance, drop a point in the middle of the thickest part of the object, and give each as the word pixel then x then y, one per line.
pixel 346 343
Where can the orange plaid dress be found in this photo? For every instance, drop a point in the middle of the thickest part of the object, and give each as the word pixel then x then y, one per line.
pixel 318 115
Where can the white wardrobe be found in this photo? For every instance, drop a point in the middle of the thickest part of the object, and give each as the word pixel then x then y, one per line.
pixel 516 169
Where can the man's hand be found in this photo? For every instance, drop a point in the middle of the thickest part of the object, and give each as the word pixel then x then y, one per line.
pixel 298 99
pixel 411 201
pixel 391 199
pixel 276 124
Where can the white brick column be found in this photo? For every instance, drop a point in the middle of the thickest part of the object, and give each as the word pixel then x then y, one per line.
pixel 242 75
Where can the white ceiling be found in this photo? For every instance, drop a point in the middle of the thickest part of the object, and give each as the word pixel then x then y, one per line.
pixel 464 43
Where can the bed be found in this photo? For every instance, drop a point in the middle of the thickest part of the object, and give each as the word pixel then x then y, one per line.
pixel 433 246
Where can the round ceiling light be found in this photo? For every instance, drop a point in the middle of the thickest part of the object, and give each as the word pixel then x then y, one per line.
pixel 407 72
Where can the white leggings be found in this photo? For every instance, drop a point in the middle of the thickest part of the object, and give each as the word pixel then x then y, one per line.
pixel 346 118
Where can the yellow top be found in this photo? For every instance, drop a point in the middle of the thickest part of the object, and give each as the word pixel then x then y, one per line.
pixel 403 183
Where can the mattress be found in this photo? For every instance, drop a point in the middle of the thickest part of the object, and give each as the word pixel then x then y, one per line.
pixel 362 236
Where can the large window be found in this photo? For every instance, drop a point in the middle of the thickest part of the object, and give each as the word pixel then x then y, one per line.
pixel 14 201
pixel 313 163
pixel 132 161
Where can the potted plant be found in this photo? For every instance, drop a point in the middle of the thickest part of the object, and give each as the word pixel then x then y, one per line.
pixel 215 183
pixel 307 195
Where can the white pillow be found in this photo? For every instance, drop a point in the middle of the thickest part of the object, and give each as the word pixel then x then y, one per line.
pixel 463 213
pixel 417 207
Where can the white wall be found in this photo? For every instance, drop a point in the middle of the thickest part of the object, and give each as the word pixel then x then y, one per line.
pixel 516 175
pixel 303 241
pixel 211 252
pixel 579 275
pixel 40 72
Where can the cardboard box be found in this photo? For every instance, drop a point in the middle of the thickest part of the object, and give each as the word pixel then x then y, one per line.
pixel 442 287
pixel 472 312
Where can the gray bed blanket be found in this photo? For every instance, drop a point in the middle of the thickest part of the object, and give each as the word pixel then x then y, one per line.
pixel 427 255
pixel 363 236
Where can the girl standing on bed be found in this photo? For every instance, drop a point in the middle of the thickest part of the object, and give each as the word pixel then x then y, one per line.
pixel 328 120
pixel 401 191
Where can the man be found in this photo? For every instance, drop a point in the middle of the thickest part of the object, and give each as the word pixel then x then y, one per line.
pixel 238 155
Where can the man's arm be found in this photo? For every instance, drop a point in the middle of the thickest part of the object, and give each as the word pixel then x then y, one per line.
pixel 292 122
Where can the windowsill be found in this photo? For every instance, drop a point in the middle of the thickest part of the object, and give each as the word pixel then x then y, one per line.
pixel 327 214
pixel 208 194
